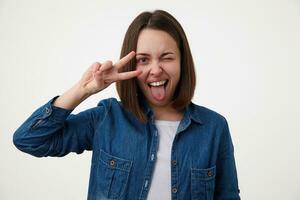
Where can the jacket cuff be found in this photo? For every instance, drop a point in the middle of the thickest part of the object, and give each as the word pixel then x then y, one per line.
pixel 54 113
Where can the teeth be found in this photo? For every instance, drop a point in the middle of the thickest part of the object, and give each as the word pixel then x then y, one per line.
pixel 159 83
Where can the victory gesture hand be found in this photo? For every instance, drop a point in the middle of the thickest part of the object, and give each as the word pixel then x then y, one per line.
pixel 99 76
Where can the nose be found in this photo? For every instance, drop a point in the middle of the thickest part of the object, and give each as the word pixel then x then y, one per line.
pixel 155 69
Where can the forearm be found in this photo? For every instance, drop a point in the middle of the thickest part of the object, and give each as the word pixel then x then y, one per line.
pixel 72 97
pixel 43 124
pixel 54 131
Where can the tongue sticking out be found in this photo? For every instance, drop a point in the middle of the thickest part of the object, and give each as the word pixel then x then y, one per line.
pixel 158 93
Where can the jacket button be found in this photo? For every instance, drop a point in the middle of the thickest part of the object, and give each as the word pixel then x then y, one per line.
pixel 152 157
pixel 112 163
pixel 47 110
pixel 174 162
pixel 210 173
pixel 174 190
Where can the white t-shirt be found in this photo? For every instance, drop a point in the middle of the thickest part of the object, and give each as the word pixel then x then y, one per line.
pixel 161 181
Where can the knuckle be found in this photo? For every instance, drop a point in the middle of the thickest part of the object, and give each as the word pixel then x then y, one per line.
pixel 95 65
pixel 109 62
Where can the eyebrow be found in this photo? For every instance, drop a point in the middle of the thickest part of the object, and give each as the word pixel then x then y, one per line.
pixel 146 54
pixel 142 54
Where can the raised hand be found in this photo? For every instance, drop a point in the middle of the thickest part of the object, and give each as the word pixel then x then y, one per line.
pixel 99 76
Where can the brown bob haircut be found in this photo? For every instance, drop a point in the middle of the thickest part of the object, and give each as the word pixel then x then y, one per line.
pixel 128 90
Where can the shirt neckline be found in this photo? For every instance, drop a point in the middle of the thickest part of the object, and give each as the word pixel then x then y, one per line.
pixel 167 122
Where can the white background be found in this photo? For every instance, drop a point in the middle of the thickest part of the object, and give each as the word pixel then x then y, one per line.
pixel 247 61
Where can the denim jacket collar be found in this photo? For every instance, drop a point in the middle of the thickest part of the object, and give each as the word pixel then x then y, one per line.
pixel 189 113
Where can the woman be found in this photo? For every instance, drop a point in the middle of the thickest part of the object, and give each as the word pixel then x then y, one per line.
pixel 153 144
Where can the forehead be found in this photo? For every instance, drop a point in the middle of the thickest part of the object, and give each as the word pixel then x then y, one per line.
pixel 155 41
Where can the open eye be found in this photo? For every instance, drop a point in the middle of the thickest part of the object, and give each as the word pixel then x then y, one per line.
pixel 142 60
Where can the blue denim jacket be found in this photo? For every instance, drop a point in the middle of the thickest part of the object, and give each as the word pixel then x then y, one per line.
pixel 124 150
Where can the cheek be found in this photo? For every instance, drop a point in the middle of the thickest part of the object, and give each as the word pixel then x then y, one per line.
pixel 142 77
pixel 174 71
pixel 141 81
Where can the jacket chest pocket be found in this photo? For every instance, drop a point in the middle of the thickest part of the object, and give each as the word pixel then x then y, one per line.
pixel 112 173
pixel 203 183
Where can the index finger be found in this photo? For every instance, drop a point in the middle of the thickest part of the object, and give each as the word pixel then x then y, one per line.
pixel 123 61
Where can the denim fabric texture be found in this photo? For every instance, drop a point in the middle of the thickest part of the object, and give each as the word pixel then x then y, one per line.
pixel 124 150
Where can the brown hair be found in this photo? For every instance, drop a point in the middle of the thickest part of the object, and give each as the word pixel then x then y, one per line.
pixel 128 90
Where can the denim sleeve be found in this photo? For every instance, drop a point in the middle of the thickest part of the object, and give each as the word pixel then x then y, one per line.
pixel 54 131
pixel 226 175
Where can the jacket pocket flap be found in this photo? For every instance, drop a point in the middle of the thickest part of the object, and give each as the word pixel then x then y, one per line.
pixel 115 162
pixel 204 174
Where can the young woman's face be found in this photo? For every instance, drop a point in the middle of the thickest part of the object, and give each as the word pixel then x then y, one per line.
pixel 158 57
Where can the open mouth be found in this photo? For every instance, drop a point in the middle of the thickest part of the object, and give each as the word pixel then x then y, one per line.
pixel 158 89
pixel 158 83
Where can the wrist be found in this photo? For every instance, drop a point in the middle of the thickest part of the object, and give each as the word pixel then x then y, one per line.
pixel 80 92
